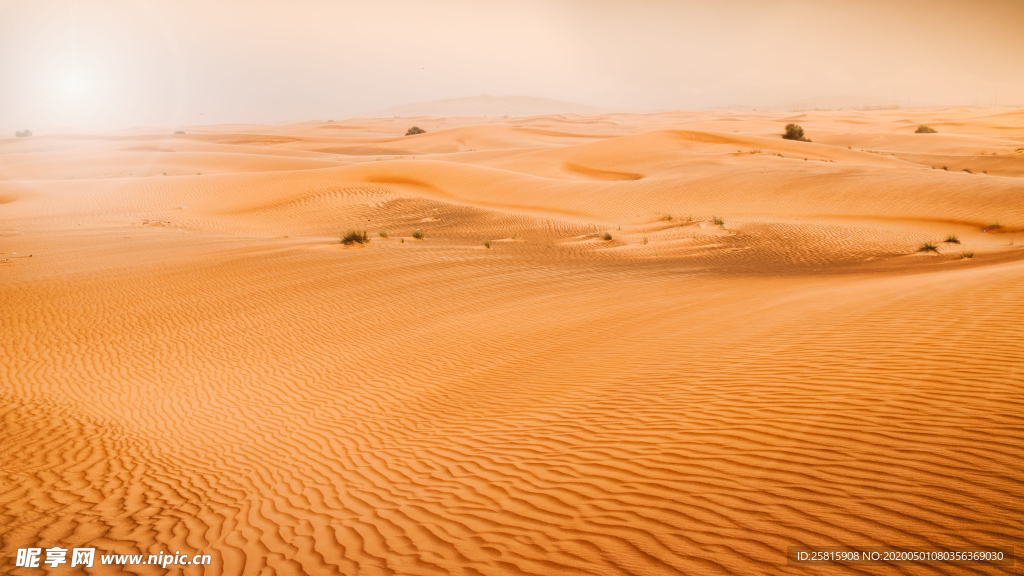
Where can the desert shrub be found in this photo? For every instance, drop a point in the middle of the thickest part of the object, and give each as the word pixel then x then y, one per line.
pixel 968 170
pixel 645 240
pixel 666 217
pixel 718 221
pixel 354 237
pixel 922 129
pixel 417 234
pixel 382 233
pixel 967 254
pixel 22 133
pixel 179 131
pixel 945 168
pixel 929 247
pixel 487 244
pixel 952 239
pixel 607 236
pixel 795 132
pixel 415 130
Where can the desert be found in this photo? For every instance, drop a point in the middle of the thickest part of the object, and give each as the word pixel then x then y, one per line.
pixel 566 344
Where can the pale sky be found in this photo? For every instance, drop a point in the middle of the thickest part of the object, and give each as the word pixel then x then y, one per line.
pixel 111 64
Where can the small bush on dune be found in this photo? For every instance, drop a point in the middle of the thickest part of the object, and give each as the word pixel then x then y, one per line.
pixel 795 132
pixel 922 129
pixel 417 234
pixel 967 254
pixel 607 236
pixel 179 131
pixel 718 221
pixel 666 217
pixel 487 244
pixel 968 170
pixel 382 233
pixel 952 239
pixel 415 130
pixel 929 247
pixel 354 237
pixel 22 133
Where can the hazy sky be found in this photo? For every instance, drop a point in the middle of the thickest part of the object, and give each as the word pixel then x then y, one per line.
pixel 118 63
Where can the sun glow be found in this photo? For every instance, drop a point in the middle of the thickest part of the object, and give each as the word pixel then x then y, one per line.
pixel 75 87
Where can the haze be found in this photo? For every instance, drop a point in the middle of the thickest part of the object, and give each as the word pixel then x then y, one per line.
pixel 113 64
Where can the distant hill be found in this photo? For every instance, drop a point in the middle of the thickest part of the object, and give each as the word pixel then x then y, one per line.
pixel 485 105
pixel 832 103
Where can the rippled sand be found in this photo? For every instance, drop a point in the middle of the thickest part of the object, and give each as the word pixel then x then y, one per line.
pixel 189 360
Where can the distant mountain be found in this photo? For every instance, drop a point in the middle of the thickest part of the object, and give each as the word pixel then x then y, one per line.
pixel 832 103
pixel 485 105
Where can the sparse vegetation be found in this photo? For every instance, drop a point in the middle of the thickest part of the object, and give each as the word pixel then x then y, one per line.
pixel 718 220
pixel 929 247
pixel 952 239
pixel 795 132
pixel 354 237
pixel 945 168
pixel 922 129
pixel 417 234
pixel 22 133
pixel 415 130
pixel 607 236
pixel 401 240
pixel 968 170
pixel 382 233
pixel 487 244
pixel 179 131
pixel 666 217
pixel 967 254
pixel 645 240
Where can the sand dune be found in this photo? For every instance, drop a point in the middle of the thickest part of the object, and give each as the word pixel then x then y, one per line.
pixel 192 361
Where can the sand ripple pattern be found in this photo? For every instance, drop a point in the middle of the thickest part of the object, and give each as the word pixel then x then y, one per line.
pixel 555 405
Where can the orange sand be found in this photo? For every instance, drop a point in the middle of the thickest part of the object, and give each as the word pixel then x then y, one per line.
pixel 190 361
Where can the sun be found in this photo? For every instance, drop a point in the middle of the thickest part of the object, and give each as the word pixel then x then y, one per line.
pixel 75 86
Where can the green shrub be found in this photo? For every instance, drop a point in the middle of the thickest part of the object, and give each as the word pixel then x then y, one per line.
pixel 354 237
pixel 718 221
pixel 417 234
pixel 487 244
pixel 415 130
pixel 929 247
pixel 795 132
pixel 922 129
pixel 382 233
pixel 607 236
